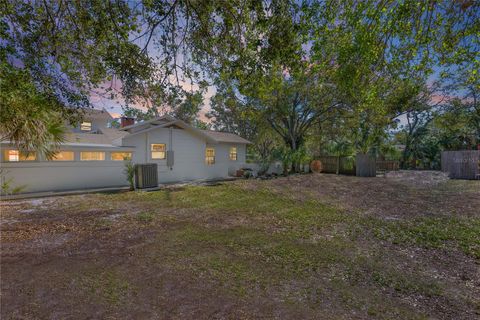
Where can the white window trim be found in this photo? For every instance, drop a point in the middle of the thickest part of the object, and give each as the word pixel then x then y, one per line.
pixel 214 156
pixel 86 123
pixel 57 160
pixel 230 154
pixel 5 157
pixel 104 155
pixel 164 152
pixel 111 154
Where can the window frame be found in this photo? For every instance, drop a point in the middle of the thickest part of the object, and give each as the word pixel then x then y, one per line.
pixel 230 153
pixel 113 152
pixel 85 124
pixel 164 151
pixel 62 160
pixel 209 159
pixel 21 157
pixel 81 152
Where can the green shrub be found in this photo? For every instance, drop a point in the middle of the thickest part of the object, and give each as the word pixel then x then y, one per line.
pixel 130 174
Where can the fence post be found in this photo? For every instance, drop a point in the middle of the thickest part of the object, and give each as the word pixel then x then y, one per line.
pixel 461 164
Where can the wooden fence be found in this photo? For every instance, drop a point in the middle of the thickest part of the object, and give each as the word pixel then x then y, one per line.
pixel 348 165
pixel 365 165
pixel 388 165
pixel 345 165
pixel 463 164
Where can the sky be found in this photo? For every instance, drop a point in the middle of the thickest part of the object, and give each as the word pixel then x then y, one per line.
pixel 114 106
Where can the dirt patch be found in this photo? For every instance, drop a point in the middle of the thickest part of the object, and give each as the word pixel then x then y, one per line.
pixel 396 196
pixel 304 247
pixel 418 178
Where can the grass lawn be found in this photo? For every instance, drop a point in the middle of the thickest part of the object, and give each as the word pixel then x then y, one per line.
pixel 302 247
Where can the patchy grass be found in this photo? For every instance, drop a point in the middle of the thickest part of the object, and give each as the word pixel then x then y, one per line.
pixel 247 250
pixel 443 232
pixel 145 217
pixel 108 286
pixel 406 283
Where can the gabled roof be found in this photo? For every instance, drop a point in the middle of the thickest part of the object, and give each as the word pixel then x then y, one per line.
pixel 105 136
pixel 96 114
pixel 167 121
pixel 113 133
pixel 143 124
pixel 87 138
pixel 226 137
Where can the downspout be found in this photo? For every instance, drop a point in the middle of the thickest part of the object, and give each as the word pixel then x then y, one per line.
pixel 170 147
pixel 146 148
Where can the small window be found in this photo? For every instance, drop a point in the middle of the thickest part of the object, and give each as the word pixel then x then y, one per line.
pixel 121 156
pixel 158 151
pixel 210 156
pixel 233 153
pixel 92 156
pixel 15 155
pixel 86 126
pixel 64 156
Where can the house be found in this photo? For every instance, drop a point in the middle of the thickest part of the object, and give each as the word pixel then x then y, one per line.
pixel 93 154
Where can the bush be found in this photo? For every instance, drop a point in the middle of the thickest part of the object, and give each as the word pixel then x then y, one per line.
pixel 130 173
pixel 247 174
pixel 6 184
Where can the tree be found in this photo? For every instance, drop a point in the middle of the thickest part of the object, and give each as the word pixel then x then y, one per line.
pixel 414 133
pixel 189 105
pixel 183 105
pixel 456 127
pixel 419 111
pixel 360 48
pixel 53 54
pixel 232 112
pixel 29 117
pixel 373 47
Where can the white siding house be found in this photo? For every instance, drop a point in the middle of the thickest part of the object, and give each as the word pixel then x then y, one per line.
pixel 94 158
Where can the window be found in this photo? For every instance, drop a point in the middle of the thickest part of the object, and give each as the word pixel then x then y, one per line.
pixel 64 156
pixel 121 156
pixel 86 126
pixel 210 156
pixel 15 155
pixel 92 155
pixel 233 153
pixel 158 150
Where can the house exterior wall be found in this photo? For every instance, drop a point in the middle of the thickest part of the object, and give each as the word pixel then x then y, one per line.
pixel 241 161
pixel 189 163
pixel 97 121
pixel 42 175
pixel 189 155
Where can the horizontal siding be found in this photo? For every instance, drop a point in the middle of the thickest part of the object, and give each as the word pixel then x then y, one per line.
pixel 189 155
pixel 189 164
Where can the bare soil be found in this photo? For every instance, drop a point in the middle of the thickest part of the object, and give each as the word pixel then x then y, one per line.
pixel 313 246
pixel 398 195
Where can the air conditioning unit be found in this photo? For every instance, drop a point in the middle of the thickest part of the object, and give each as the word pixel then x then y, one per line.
pixel 146 175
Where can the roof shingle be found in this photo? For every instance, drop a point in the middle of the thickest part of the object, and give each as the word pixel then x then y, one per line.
pixel 225 137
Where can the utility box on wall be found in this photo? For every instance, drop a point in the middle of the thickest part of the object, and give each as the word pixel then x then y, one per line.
pixel 146 175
